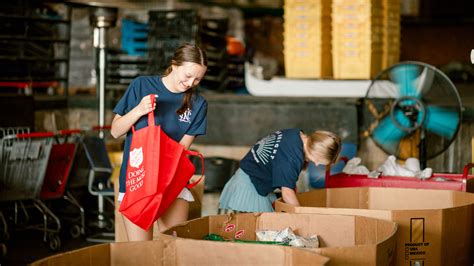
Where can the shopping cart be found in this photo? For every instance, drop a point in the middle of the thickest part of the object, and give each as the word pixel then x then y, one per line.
pixel 92 170
pixel 54 192
pixel 68 174
pixel 23 162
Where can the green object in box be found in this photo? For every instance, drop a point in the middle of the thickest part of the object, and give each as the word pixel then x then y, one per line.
pixel 216 237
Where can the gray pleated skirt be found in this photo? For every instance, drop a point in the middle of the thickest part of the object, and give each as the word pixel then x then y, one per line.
pixel 239 194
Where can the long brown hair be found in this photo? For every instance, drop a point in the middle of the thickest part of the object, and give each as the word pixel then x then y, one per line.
pixel 187 53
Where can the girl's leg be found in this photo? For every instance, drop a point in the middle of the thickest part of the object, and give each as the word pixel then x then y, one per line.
pixel 175 214
pixel 135 233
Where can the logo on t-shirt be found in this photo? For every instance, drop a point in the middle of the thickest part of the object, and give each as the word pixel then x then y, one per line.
pixel 186 116
pixel 265 149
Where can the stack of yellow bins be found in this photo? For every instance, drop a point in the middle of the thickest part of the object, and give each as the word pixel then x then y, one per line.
pixel 357 31
pixel 307 38
pixel 391 32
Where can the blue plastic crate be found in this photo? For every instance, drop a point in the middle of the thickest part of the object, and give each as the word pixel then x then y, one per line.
pixel 131 25
pixel 132 48
pixel 134 40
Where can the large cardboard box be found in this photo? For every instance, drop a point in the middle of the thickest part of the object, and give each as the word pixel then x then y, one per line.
pixel 346 240
pixel 435 226
pixel 194 210
pixel 183 252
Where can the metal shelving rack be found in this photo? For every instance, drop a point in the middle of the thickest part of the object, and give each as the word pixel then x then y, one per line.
pixel 34 48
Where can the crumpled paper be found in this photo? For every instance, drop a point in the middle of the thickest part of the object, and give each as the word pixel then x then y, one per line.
pixel 411 168
pixel 353 167
pixel 289 237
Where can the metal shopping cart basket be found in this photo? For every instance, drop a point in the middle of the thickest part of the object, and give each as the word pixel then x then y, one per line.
pixel 54 192
pixel 23 162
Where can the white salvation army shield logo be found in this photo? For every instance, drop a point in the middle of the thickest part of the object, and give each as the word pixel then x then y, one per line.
pixel 136 157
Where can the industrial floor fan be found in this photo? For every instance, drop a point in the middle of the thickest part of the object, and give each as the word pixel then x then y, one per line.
pixel 412 109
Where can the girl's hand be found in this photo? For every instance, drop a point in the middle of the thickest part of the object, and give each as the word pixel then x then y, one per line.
pixel 145 106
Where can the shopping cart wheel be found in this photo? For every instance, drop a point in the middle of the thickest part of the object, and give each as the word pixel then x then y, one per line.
pixel 110 225
pixel 54 242
pixel 3 250
pixel 75 231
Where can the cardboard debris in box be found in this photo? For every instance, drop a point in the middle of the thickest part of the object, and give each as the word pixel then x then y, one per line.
pixel 174 251
pixel 435 226
pixel 346 240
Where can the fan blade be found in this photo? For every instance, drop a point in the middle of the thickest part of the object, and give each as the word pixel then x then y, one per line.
pixel 425 81
pixel 406 78
pixel 388 135
pixel 441 121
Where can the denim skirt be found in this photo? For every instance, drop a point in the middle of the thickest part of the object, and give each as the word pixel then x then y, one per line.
pixel 239 194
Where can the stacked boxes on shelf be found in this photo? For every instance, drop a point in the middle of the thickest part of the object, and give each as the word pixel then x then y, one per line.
pixel 123 68
pixel 168 29
pixel 307 38
pixel 236 72
pixel 212 33
pixel 130 61
pixel 357 32
pixel 391 32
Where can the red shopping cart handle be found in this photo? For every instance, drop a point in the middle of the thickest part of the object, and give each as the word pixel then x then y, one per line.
pixel 63 132
pixel 80 130
pixel 35 135
pixel 67 132
pixel 101 127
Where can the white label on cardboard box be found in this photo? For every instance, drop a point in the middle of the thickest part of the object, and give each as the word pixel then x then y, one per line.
pixel 415 250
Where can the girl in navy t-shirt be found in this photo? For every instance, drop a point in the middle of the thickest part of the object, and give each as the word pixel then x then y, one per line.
pixel 275 162
pixel 179 110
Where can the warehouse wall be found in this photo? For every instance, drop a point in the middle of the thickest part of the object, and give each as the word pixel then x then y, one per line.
pixel 239 121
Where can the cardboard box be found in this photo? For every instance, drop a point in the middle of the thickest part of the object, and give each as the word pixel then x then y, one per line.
pixel 194 210
pixel 435 226
pixel 346 240
pixel 184 252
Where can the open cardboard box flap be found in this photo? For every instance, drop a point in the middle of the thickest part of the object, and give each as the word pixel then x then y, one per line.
pixel 435 226
pixel 172 251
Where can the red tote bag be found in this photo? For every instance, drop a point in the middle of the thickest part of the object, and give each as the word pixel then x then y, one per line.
pixel 142 169
pixel 164 170
pixel 181 177
pixel 176 169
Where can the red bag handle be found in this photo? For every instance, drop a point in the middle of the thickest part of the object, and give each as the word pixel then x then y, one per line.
pixel 195 153
pixel 151 116
pixel 467 167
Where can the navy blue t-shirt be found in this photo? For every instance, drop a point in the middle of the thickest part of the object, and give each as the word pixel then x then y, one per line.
pixel 275 161
pixel 193 122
